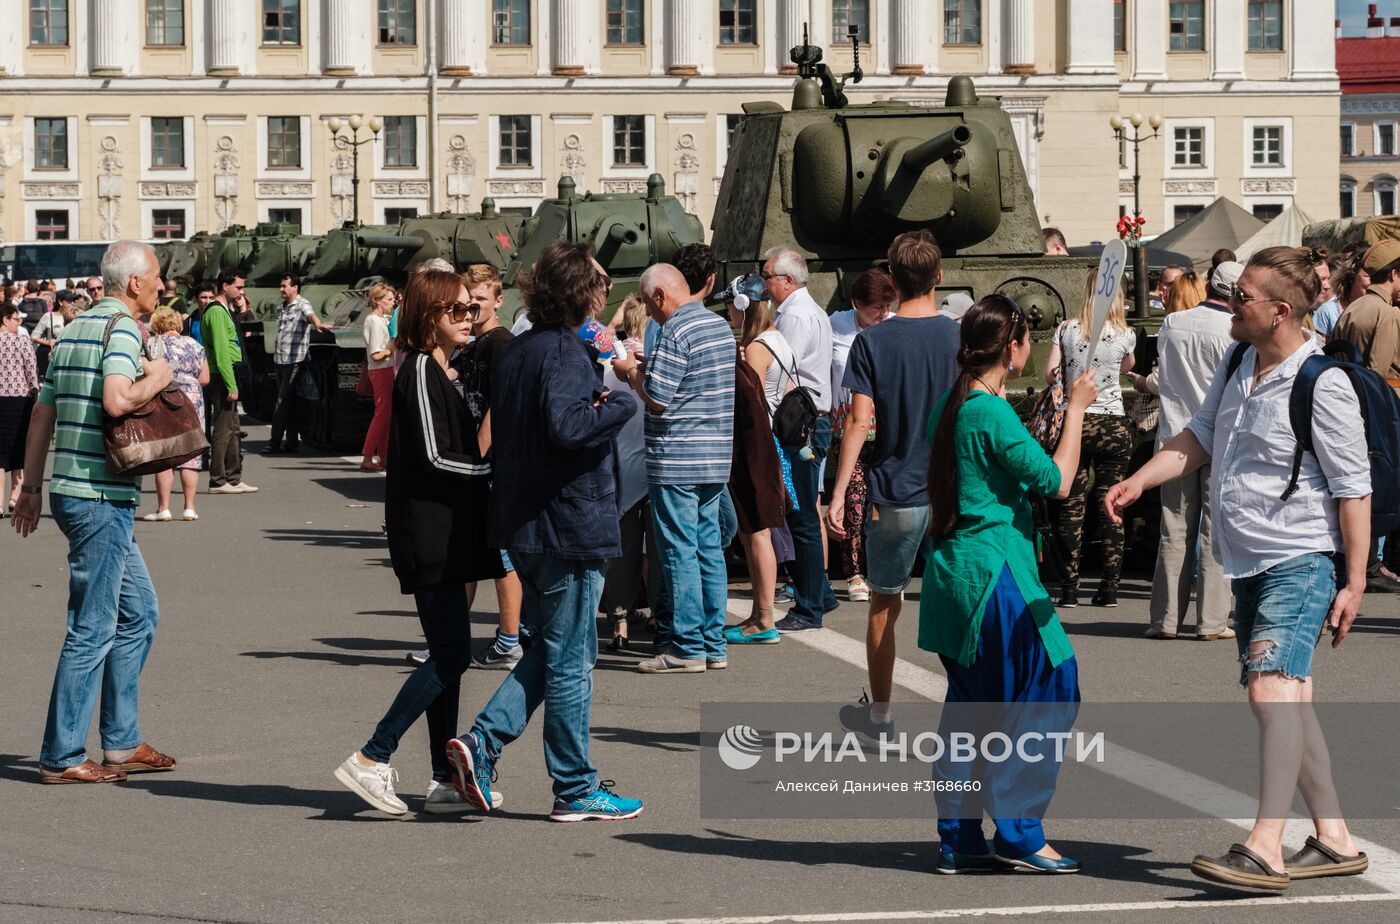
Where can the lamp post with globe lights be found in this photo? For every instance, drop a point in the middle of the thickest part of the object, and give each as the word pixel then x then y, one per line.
pixel 1120 131
pixel 353 142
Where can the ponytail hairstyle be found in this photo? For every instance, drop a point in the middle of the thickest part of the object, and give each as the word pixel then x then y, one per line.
pixel 988 328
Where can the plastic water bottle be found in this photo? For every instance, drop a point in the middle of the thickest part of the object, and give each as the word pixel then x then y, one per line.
pixel 619 350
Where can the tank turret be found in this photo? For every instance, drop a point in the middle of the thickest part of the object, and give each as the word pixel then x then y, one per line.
pixel 460 239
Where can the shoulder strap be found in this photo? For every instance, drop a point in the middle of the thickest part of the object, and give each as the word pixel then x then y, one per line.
pixel 774 353
pixel 1300 410
pixel 107 334
pixel 1236 358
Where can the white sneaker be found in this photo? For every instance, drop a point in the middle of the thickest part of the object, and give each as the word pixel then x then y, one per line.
pixel 442 799
pixel 670 664
pixel 159 516
pixel 189 514
pixel 374 784
pixel 245 488
pixel 225 489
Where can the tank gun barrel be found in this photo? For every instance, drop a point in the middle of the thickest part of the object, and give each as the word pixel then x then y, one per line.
pixel 937 148
pixel 621 233
pixel 389 241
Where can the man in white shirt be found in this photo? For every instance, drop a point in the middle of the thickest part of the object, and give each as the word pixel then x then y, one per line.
pixel 1283 553
pixel 1190 347
pixel 805 326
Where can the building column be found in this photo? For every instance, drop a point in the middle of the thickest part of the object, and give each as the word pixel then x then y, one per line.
pixel 345 37
pixel 465 27
pixel 792 16
pixel 1227 41
pixel 1314 47
pixel 230 35
pixel 1019 25
pixel 576 24
pixel 1091 37
pixel 115 36
pixel 1149 38
pixel 915 38
pixel 686 29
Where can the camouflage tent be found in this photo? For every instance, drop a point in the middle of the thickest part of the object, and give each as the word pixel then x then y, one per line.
pixel 1220 224
pixel 1338 235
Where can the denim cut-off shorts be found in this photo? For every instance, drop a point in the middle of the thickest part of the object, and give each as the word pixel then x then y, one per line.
pixel 1286 605
pixel 893 536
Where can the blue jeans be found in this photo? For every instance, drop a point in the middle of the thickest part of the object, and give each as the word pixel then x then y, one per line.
pixel 813 595
pixel 112 615
pixel 559 607
pixel 1286 606
pixel 687 523
pixel 435 687
pixel 661 606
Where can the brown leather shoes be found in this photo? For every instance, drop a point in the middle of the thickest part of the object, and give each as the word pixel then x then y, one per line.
pixel 145 759
pixel 89 771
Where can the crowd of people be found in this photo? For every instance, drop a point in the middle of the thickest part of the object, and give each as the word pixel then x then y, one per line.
pixel 593 466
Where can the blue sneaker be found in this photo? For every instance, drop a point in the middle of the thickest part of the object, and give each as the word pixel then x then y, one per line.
pixel 473 773
pixel 602 804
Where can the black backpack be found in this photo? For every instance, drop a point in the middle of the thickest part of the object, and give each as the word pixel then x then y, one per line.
pixel 1380 414
pixel 796 415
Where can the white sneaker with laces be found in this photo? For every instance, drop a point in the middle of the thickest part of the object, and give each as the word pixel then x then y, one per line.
pixel 442 799
pixel 374 784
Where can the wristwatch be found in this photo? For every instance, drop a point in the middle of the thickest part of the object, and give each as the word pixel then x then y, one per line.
pixel 30 488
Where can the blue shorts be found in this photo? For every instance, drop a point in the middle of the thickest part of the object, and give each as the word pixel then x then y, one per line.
pixel 1285 605
pixel 893 536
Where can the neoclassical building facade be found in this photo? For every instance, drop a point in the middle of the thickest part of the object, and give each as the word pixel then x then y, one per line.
pixel 158 118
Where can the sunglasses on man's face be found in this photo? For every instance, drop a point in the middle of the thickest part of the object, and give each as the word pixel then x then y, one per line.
pixel 94 288
pixel 460 312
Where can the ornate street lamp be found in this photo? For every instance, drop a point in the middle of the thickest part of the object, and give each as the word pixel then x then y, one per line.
pixel 1117 123
pixel 353 142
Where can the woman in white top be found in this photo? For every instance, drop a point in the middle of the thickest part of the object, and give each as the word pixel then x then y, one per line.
pixel 379 360
pixel 1107 442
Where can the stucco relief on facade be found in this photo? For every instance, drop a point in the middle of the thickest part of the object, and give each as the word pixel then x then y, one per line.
pixel 225 182
pixel 624 186
pixel 401 189
pixel 109 187
pixel 573 162
pixel 342 185
pixel 167 190
pixel 50 190
pixel 283 190
pixel 1188 187
pixel 1254 187
pixel 515 187
pixel 4 166
pixel 687 184
pixel 460 168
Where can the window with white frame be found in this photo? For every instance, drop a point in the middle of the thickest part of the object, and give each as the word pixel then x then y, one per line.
pixel 51 144
pixel 1348 198
pixel 1265 18
pixel 1181 213
pixel 626 22
pixel 515 141
pixel 1267 146
pixel 1385 139
pixel 738 22
pixel 51 225
pixel 165 22
pixel 285 216
pixel 846 14
pixel 397 22
pixel 962 22
pixel 1186 25
pixel 48 25
pixel 167 142
pixel 168 224
pixel 1384 187
pixel 400 141
pixel 1267 211
pixel 281 22
pixel 732 121
pixel 510 22
pixel 394 215
pixel 629 141
pixel 1348 139
pixel 1120 25
pixel 284 141
pixel 1189 146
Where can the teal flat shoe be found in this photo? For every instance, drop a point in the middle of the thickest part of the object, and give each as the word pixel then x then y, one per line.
pixel 1035 863
pixel 734 635
pixel 951 863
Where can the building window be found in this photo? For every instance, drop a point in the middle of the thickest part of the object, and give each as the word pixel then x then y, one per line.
pixel 629 141
pixel 165 22
pixel 1182 213
pixel 1348 199
pixel 285 217
pixel 48 23
pixel 51 144
pixel 1120 25
pixel 962 22
pixel 1267 212
pixel 738 22
pixel 168 224
pixel 731 126
pixel 510 22
pixel 284 141
pixel 394 216
pixel 1265 25
pixel 400 141
pixel 167 142
pixel 1187 25
pixel 1385 195
pixel 625 22
pixel 1385 139
pixel 397 22
pixel 515 141
pixel 1268 146
pixel 848 13
pixel 1348 139
pixel 1189 147
pixel 281 22
pixel 51 225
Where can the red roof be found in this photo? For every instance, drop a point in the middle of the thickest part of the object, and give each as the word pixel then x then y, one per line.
pixel 1369 65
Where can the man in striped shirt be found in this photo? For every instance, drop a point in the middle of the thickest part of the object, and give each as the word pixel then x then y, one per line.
pixel 112 609
pixel 688 391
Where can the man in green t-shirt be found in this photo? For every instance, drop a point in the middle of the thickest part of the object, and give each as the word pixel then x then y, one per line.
pixel 224 348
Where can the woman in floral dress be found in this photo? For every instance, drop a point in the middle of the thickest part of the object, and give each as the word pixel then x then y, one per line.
pixel 186 358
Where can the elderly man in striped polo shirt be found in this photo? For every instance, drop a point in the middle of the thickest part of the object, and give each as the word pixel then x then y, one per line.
pixel 688 390
pixel 112 609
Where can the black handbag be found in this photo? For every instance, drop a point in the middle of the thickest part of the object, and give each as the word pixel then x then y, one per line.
pixel 796 415
pixel 1051 553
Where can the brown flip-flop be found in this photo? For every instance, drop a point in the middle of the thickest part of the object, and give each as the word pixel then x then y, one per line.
pixel 1242 868
pixel 145 759
pixel 1316 860
pixel 89 771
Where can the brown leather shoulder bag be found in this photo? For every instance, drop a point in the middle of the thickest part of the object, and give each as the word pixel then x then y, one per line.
pixel 159 435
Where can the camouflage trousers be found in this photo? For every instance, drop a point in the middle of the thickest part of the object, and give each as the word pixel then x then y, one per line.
pixel 1106 448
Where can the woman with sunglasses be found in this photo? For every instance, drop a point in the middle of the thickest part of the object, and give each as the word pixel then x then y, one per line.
pixel 435 505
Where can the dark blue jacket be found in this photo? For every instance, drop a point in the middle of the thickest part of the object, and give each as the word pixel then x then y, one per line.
pixel 555 463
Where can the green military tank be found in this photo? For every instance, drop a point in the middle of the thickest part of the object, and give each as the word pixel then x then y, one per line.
pixel 628 231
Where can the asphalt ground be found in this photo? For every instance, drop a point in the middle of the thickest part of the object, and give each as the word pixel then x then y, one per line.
pixel 282 640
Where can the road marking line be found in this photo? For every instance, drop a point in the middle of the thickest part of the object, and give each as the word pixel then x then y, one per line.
pixel 1181 904
pixel 1161 778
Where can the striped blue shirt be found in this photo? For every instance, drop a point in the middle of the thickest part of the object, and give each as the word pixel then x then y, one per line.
pixel 691 374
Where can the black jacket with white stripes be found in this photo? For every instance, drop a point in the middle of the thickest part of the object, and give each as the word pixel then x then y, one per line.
pixel 437 486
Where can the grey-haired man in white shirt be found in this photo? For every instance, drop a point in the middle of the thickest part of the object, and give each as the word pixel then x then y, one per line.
pixel 1279 550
